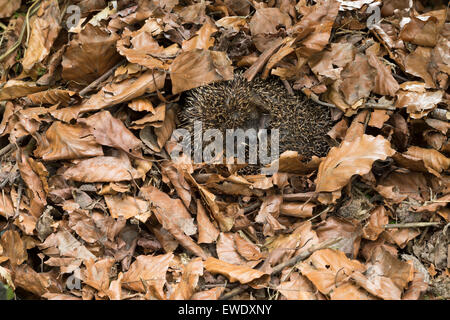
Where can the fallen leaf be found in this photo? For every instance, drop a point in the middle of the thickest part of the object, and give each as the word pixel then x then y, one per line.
pixel 351 158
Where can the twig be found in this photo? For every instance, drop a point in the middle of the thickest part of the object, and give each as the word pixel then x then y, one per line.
pixel 11 146
pixel 291 262
pixel 234 292
pixel 102 78
pixel 252 207
pixel 316 99
pixel 288 87
pixel 411 225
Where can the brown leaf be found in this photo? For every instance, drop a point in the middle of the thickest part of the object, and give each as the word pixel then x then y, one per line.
pixel 83 224
pixel 417 101
pixel 349 291
pixel 378 118
pixel 417 63
pixel 297 288
pixel 386 276
pixel 174 217
pixel 266 20
pixel 34 183
pixel 211 294
pixel 8 7
pixel 102 169
pixel 350 233
pixel 226 250
pixel 142 48
pixel 384 82
pixel 36 283
pixel 44 29
pixel 16 88
pixel 109 131
pixel 434 161
pixel 52 96
pixel 422 33
pixel 315 26
pixel 351 158
pixel 90 54
pixel 375 226
pixel 203 39
pixel 128 207
pixel 297 209
pixel 357 79
pixel 246 248
pixel 328 268
pixel 198 67
pixel 176 177
pixel 189 279
pixel 207 232
pixel 97 274
pixel 63 141
pixel 114 93
pixel 234 273
pixel 148 273
pixel 13 247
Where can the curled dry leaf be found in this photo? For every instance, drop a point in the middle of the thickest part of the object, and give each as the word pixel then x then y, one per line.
pixel 140 47
pixel 198 67
pixel 128 207
pixel 350 233
pixel 417 101
pixel 202 40
pixel 52 96
pixel 148 274
pixel 434 161
pixel 16 88
pixel 375 225
pixel 351 158
pixel 297 209
pixel 37 283
pixel 63 141
pixel 30 175
pixel 246 248
pixel 233 272
pixel 109 131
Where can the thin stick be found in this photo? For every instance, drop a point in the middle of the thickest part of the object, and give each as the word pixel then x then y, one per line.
pixel 234 292
pixel 291 262
pixel 411 225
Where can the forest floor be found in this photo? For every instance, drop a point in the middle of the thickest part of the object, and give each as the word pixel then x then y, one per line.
pixel 92 205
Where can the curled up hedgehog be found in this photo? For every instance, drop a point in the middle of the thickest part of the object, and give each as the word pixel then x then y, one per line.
pixel 257 104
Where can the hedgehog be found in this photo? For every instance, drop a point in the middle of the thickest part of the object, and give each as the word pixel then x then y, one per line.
pixel 238 103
